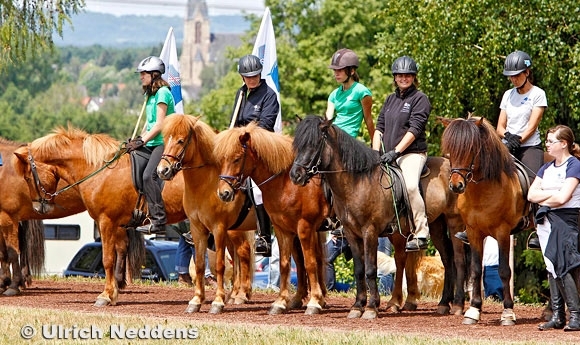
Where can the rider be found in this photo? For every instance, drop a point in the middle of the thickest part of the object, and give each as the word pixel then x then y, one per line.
pixel 522 108
pixel 256 101
pixel 146 149
pixel 401 134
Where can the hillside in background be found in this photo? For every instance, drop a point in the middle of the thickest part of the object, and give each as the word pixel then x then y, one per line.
pixel 91 28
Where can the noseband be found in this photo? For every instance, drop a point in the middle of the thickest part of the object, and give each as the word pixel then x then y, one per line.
pixel 465 173
pixel 177 165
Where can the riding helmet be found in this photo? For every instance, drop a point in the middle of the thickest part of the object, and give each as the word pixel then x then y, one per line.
pixel 150 64
pixel 343 58
pixel 404 65
pixel 249 66
pixel 516 63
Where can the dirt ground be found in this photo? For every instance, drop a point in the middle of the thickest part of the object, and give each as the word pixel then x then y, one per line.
pixel 171 301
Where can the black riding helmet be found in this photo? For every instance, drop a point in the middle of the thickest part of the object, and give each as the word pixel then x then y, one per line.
pixel 404 65
pixel 249 66
pixel 516 63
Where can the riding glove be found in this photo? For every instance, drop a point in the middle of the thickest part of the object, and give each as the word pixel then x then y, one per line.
pixel 134 144
pixel 513 141
pixel 389 157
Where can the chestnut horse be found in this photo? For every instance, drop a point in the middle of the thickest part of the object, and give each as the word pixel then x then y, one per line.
pixel 189 148
pixel 15 208
pixel 364 202
pixel 266 157
pixel 77 158
pixel 491 201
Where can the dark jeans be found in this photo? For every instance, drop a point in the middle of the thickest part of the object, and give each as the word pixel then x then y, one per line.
pixel 183 256
pixel 333 250
pixel 492 284
pixel 144 164
pixel 385 281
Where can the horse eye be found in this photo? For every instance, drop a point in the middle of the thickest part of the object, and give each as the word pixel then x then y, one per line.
pixel 446 155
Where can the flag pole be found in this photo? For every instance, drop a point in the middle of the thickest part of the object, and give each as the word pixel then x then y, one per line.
pixel 236 110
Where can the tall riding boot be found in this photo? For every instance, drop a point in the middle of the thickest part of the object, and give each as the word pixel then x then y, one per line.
pixel 570 292
pixel 558 320
pixel 264 236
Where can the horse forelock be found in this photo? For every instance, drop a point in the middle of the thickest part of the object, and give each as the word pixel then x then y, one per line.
pixel 307 135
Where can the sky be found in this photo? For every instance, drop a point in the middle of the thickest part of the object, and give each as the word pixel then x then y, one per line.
pixel 171 7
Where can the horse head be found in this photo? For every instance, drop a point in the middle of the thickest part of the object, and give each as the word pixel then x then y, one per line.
pixel 188 144
pixel 233 149
pixel 42 179
pixel 309 142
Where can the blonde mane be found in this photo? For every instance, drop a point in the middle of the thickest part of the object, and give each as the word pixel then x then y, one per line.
pixel 273 149
pixel 180 125
pixel 97 148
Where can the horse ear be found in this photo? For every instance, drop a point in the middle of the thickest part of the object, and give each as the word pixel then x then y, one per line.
pixel 244 138
pixel 325 124
pixel 298 117
pixel 443 120
pixel 479 121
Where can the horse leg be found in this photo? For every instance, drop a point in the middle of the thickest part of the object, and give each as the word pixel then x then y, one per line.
pixel 357 249
pixel 285 241
pixel 121 264
pixel 218 303
pixel 4 264
pixel 200 243
pixel 243 266
pixel 311 249
pixel 413 293
pixel 13 258
pixel 508 317
pixel 443 244
pixel 461 260
pixel 371 245
pixel 396 301
pixel 472 314
pixel 108 239
pixel 302 289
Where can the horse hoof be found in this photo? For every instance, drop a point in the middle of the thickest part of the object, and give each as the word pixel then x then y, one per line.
pixel 456 310
pixel 240 300
pixel 369 315
pixel 443 310
pixel 508 322
pixel 101 302
pixel 216 309
pixel 410 306
pixel 508 318
pixel 354 314
pixel 276 310
pixel 11 292
pixel 469 321
pixel 312 311
pixel 192 308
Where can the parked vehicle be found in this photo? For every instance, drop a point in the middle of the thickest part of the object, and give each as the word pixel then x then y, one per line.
pixel 261 275
pixel 159 261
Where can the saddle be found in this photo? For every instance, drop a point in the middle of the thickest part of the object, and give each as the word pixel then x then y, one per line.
pixel 401 201
pixel 530 209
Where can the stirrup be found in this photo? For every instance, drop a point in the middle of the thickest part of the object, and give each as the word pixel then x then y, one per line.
pixel 533 242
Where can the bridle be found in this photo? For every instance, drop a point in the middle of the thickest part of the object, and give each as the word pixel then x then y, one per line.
pixel 237 182
pixel 312 167
pixel 40 190
pixel 177 164
pixel 465 173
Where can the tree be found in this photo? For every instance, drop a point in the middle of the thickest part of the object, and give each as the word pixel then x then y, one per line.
pixel 26 27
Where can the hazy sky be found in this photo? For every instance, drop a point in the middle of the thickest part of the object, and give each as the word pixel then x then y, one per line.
pixel 171 7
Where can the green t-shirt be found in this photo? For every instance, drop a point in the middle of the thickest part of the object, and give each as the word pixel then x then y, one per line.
pixel 348 107
pixel 163 95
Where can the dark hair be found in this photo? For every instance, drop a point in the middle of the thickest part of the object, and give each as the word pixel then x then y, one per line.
pixel 564 133
pixel 351 72
pixel 156 83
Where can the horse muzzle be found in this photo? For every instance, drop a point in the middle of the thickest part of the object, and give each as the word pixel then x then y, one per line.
pixel 165 173
pixel 458 188
pixel 298 175
pixel 41 207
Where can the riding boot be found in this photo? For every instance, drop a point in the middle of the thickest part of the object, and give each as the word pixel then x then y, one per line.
pixel 570 291
pixel 264 237
pixel 558 320
pixel 462 235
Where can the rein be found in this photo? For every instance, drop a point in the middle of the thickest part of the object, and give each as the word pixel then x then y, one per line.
pixel 40 188
pixel 237 182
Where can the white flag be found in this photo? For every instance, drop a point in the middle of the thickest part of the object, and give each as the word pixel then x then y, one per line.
pixel 169 57
pixel 265 49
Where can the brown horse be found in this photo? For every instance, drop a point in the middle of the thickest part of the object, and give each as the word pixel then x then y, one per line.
pixel 188 147
pixel 491 201
pixel 266 158
pixel 15 208
pixel 73 156
pixel 363 200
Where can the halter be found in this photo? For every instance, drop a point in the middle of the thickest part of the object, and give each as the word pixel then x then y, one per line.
pixel 468 176
pixel 312 167
pixel 178 159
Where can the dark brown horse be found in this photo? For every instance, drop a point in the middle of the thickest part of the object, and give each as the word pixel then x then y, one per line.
pixel 363 200
pixel 266 158
pixel 73 156
pixel 15 208
pixel 490 200
pixel 189 148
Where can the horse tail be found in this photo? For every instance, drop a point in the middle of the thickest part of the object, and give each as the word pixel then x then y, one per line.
pixel 136 253
pixel 31 245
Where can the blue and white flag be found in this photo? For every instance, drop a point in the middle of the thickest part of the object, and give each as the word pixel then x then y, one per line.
pixel 169 57
pixel 265 49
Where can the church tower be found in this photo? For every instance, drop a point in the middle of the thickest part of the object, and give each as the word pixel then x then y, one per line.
pixel 196 47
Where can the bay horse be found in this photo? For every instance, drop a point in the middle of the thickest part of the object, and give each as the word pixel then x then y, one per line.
pixel 363 201
pixel 490 200
pixel 73 156
pixel 266 157
pixel 16 209
pixel 189 148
